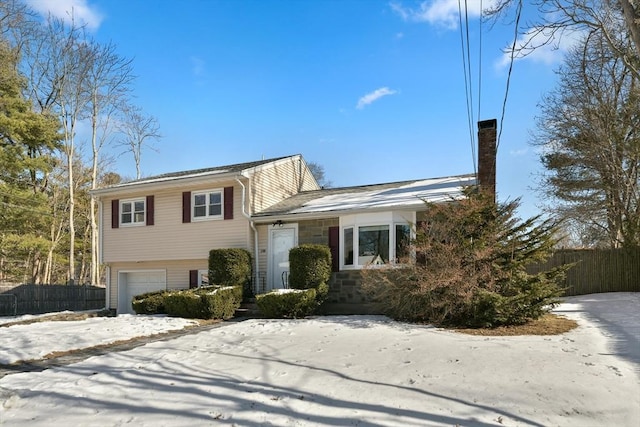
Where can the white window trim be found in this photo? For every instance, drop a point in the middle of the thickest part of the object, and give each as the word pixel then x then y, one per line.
pixel 200 274
pixel 207 217
pixel 133 203
pixel 390 219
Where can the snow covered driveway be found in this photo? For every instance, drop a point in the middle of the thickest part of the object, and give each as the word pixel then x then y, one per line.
pixel 355 370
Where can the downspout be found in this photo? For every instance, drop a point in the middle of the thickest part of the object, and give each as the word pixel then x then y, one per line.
pixel 255 233
pixel 100 254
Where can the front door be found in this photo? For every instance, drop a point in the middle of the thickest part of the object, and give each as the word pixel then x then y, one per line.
pixel 282 240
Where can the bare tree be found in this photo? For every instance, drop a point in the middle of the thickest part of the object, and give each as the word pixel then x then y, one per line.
pixel 317 170
pixel 108 82
pixel 589 132
pixel 138 131
pixel 59 62
pixel 616 21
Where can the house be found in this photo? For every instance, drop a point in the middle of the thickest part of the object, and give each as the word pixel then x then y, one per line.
pixel 156 232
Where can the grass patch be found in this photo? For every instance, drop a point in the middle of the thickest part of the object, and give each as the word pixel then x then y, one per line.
pixel 548 324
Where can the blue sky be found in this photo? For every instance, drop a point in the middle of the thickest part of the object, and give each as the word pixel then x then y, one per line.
pixel 371 90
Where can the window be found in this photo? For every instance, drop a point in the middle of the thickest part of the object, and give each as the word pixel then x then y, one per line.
pixel 207 205
pixel 132 212
pixel 373 244
pixel 403 242
pixel 348 246
pixel 376 239
pixel 203 278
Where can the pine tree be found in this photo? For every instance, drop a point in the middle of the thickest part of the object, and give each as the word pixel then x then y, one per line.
pixel 27 140
pixel 470 267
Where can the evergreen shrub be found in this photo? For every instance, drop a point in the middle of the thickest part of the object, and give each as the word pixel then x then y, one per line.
pixel 290 304
pixel 231 267
pixel 470 267
pixel 185 303
pixel 309 266
pixel 220 303
pixel 211 302
pixel 149 303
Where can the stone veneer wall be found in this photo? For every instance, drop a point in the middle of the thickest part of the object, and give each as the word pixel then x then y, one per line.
pixel 316 231
pixel 344 286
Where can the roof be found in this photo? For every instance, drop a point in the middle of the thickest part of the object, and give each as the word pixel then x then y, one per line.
pixel 195 173
pixel 404 194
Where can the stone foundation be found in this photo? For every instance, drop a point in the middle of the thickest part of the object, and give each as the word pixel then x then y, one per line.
pixel 344 288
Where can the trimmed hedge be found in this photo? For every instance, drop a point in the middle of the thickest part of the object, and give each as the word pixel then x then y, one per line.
pixel 201 303
pixel 229 267
pixel 149 303
pixel 291 304
pixel 220 303
pixel 309 265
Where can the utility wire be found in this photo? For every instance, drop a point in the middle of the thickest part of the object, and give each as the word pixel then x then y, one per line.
pixel 511 59
pixel 480 60
pixel 467 77
pixel 473 134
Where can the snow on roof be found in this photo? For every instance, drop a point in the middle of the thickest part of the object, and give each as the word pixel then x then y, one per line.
pixel 391 195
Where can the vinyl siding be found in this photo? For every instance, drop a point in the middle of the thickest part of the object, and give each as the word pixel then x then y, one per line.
pixel 276 182
pixel 169 238
pixel 263 248
pixel 177 273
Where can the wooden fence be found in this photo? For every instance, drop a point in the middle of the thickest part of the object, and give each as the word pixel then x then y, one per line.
pixel 596 270
pixel 35 299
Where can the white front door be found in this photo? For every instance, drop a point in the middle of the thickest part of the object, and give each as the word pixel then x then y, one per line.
pixel 281 241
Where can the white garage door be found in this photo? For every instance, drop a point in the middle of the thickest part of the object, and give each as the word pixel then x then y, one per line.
pixel 134 283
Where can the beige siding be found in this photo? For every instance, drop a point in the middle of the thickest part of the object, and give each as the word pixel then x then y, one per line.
pixel 280 180
pixel 169 238
pixel 177 273
pixel 263 249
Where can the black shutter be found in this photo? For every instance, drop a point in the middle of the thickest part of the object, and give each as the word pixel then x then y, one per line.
pixel 228 202
pixel 186 206
pixel 115 213
pixel 150 210
pixel 193 278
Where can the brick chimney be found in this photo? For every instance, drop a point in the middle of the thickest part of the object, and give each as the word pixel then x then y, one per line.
pixel 487 137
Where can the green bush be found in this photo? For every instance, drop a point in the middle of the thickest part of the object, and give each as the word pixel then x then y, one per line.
pixel 470 268
pixel 220 303
pixel 211 302
pixel 309 266
pixel 149 303
pixel 184 304
pixel 295 303
pixel 231 267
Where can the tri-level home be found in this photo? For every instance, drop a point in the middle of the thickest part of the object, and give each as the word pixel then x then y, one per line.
pixel 156 232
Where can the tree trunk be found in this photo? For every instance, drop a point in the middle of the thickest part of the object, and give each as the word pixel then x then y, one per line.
pixel 92 203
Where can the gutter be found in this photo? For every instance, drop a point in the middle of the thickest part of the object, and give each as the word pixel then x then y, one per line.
pixel 253 227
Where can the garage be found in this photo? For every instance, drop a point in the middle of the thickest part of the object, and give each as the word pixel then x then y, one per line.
pixel 136 282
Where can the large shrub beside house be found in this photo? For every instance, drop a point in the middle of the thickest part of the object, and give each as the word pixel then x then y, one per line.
pixel 230 267
pixel 211 302
pixel 310 271
pixel 470 267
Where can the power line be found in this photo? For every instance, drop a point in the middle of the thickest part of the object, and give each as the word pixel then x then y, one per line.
pixel 466 68
pixel 511 59
pixel 480 60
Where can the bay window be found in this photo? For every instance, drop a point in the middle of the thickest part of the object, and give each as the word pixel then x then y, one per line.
pixel 375 239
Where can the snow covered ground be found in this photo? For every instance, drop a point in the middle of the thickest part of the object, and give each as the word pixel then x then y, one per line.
pixel 36 340
pixel 344 370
